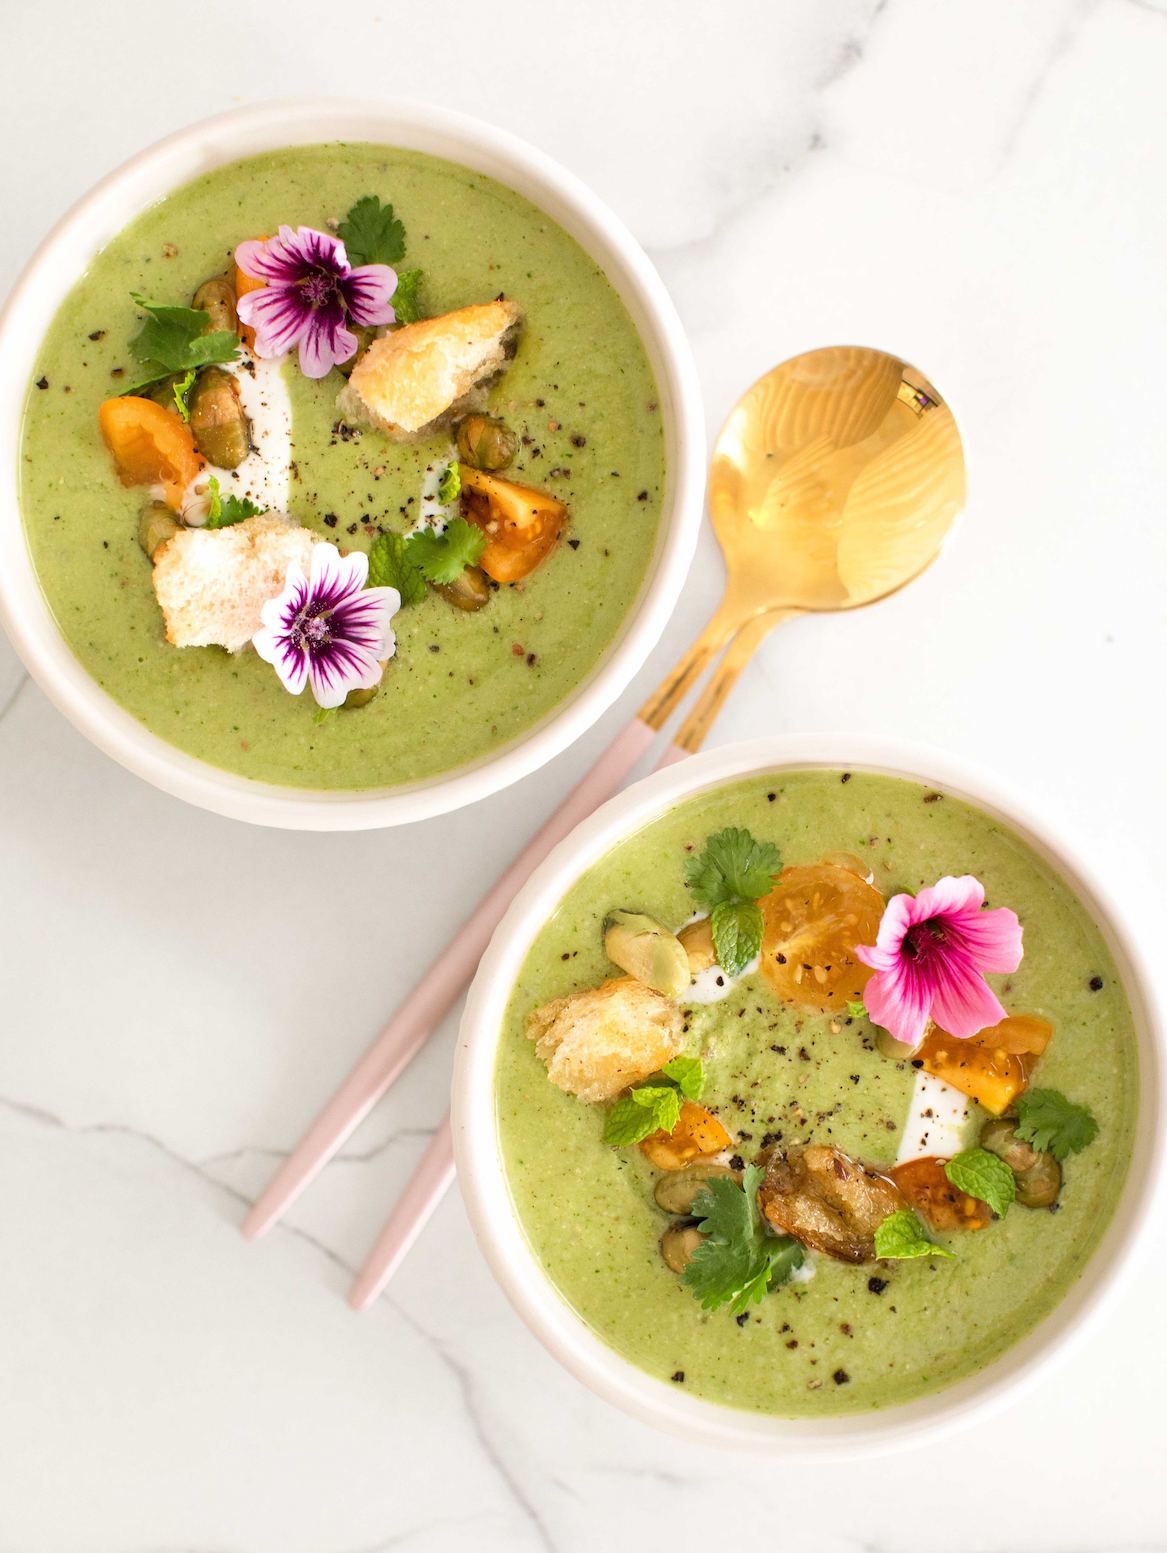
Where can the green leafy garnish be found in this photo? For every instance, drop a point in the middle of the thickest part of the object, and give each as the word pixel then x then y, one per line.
pixel 180 390
pixel 738 1262
pixel 1053 1124
pixel 856 1008
pixel 390 566
pixel 901 1236
pixel 371 233
pixel 655 1105
pixel 406 306
pixel 688 1074
pixel 737 934
pixel 227 510
pixel 443 557
pixel 732 867
pixel 450 485
pixel 982 1174
pixel 172 340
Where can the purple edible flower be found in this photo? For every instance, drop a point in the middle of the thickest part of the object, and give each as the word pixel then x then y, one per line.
pixel 328 630
pixel 309 294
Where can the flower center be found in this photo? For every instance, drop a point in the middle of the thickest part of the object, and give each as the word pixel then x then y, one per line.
pixel 921 940
pixel 310 630
pixel 319 287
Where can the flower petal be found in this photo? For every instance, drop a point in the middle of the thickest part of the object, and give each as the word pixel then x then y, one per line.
pixel 340 668
pixel 278 317
pixel 964 1004
pixel 367 293
pixel 900 1001
pixel 325 342
pixel 993 938
pixel 950 897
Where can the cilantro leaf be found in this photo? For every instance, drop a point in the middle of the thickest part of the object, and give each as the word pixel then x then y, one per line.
pixel 1053 1124
pixel 406 307
pixel 225 511
pixel 688 1074
pixel 450 485
pixel 651 1108
pixel 984 1175
pixel 173 340
pixel 391 567
pixel 856 1008
pixel 901 1236
pixel 181 389
pixel 371 233
pixel 737 1262
pixel 443 557
pixel 737 934
pixel 733 866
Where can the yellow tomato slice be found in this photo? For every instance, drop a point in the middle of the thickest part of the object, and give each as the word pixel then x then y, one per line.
pixel 933 1196
pixel 814 918
pixel 697 1134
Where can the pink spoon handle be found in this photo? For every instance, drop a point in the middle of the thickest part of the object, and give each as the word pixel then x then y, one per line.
pixel 427 1186
pixel 437 991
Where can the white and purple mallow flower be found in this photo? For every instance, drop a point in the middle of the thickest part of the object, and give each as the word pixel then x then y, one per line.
pixel 328 630
pixel 310 294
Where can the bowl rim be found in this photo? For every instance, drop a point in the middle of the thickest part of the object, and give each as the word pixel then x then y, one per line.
pixel 496 1227
pixel 222 138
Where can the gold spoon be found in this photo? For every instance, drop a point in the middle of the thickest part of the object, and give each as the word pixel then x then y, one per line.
pixel 834 482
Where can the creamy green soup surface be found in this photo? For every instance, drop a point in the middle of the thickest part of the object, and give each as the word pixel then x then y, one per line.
pixel 579 392
pixel 849 1338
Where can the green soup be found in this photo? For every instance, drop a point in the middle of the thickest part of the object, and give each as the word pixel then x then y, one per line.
pixel 580 394
pixel 849 1338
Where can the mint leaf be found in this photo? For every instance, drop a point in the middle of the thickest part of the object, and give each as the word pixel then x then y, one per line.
pixel 173 340
pixel 406 307
pixel 443 557
pixel 984 1175
pixel 737 1262
pixel 180 390
pixel 901 1236
pixel 371 233
pixel 688 1074
pixel 1053 1124
pixel 225 511
pixel 651 1108
pixel 856 1008
pixel 662 1102
pixel 737 934
pixel 733 866
pixel 391 567
pixel 450 485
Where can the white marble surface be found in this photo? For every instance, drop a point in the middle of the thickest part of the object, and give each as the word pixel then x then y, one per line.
pixel 977 184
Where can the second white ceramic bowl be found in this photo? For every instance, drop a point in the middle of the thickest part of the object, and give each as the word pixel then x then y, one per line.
pixel 156 173
pixel 483 1181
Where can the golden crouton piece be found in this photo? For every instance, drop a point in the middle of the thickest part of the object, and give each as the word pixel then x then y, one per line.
pixel 595 1043
pixel 420 377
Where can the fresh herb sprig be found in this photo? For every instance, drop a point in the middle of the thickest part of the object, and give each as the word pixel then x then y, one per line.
pixel 225 511
pixel 979 1173
pixel 408 561
pixel 655 1106
pixel 728 878
pixel 175 340
pixel 901 1237
pixel 1054 1125
pixel 371 233
pixel 738 1262
pixel 405 300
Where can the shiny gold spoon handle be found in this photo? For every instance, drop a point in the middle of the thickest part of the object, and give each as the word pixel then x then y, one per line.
pixel 695 729
pixel 725 622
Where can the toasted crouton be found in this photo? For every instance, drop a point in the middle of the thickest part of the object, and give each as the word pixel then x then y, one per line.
pixel 596 1043
pixel 213 583
pixel 417 378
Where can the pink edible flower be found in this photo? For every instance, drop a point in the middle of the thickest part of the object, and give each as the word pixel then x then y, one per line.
pixel 930 958
pixel 309 296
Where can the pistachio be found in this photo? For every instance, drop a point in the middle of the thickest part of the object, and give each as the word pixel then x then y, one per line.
pixel 645 948
pixel 1039 1186
pixel 470 591
pixel 218 423
pixel 697 942
pixel 678 1244
pixel 898 1051
pixel 1038 1175
pixel 216 298
pixel 486 443
pixel 156 525
pixel 677 1191
pixel 357 698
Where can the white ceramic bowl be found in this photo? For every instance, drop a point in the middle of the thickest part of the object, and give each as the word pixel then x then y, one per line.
pixel 487 1197
pixel 164 167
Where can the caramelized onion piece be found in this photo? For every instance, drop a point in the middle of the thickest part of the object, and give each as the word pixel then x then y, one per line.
pixel 827 1200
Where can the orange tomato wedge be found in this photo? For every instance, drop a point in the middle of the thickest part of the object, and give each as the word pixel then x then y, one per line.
pixel 814 918
pixel 244 284
pixel 933 1196
pixel 994 1066
pixel 697 1134
pixel 521 524
pixel 150 446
